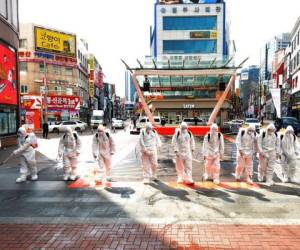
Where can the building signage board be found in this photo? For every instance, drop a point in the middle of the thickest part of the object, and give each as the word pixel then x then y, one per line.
pixel 91 89
pixel 204 34
pixel 63 102
pixel 31 102
pixel 53 41
pixel 8 76
pixel 276 96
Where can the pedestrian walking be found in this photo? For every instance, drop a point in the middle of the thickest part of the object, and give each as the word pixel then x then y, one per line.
pixel 268 148
pixel 184 146
pixel 103 148
pixel 246 144
pixel 45 130
pixel 289 154
pixel 69 148
pixel 213 153
pixel 149 143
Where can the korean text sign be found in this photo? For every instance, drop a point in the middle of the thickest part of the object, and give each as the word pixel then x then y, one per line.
pixel 54 41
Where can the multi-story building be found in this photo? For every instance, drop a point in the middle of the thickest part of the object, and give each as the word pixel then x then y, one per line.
pixel 295 69
pixel 267 55
pixel 96 84
pixel 48 75
pixel 249 90
pixel 83 78
pixel 129 93
pixel 189 35
pixel 9 77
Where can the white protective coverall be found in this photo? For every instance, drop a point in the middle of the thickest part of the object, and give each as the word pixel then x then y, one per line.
pixel 246 144
pixel 103 148
pixel 149 143
pixel 213 152
pixel 27 144
pixel 184 145
pixel 268 148
pixel 289 153
pixel 69 148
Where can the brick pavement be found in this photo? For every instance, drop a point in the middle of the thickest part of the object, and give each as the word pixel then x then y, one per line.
pixel 154 236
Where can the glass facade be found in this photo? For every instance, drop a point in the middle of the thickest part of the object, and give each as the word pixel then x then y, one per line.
pixel 189 46
pixel 190 23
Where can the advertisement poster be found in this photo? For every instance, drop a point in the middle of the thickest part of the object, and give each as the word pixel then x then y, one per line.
pixel 29 119
pixel 8 76
pixel 54 41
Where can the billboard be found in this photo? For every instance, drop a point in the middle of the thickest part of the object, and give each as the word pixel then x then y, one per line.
pixel 63 102
pixel 204 34
pixel 8 76
pixel 56 42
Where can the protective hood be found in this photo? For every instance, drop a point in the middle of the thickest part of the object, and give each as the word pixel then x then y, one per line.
pixel 68 131
pixel 214 128
pixel 101 128
pixel 183 125
pixel 271 127
pixel 251 128
pixel 289 129
pixel 148 126
pixel 22 132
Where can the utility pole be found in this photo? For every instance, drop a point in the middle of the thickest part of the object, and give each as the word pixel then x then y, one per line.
pixel 45 92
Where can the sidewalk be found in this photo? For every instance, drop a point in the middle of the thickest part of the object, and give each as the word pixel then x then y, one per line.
pixel 153 236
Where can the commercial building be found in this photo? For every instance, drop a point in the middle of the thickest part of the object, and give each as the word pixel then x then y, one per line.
pixel 53 75
pixel 83 79
pixel 188 35
pixel 130 94
pixel 295 69
pixel 9 77
pixel 249 91
pixel 267 55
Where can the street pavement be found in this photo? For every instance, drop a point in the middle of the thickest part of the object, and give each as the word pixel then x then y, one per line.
pixel 125 214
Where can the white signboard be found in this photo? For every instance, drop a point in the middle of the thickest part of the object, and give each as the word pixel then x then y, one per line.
pixel 276 96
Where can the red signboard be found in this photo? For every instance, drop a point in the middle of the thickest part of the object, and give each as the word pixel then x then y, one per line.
pixel 63 102
pixel 8 76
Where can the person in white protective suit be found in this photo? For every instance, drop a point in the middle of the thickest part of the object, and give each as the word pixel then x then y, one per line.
pixel 268 149
pixel 149 143
pixel 27 143
pixel 69 149
pixel 213 152
pixel 246 144
pixel 289 154
pixel 184 146
pixel 103 148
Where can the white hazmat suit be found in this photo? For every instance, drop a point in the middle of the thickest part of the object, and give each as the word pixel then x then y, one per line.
pixel 103 148
pixel 149 143
pixel 69 149
pixel 246 144
pixel 268 148
pixel 213 152
pixel 289 153
pixel 27 144
pixel 184 145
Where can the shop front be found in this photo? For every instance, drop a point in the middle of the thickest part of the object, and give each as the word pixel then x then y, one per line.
pixel 59 108
pixel 176 110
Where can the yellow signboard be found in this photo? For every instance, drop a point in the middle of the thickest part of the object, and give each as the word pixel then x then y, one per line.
pixel 91 89
pixel 56 42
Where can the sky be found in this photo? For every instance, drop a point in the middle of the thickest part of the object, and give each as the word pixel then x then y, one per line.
pixel 121 29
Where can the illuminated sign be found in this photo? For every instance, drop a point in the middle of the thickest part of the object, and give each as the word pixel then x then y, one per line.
pixel 54 41
pixel 204 34
pixel 8 76
pixel 91 89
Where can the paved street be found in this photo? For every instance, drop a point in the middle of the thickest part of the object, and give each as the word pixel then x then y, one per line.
pixel 163 215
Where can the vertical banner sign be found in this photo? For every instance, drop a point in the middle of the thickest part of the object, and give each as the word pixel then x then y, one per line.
pixel 276 96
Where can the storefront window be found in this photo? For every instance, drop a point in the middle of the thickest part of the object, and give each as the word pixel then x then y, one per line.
pixel 7 121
